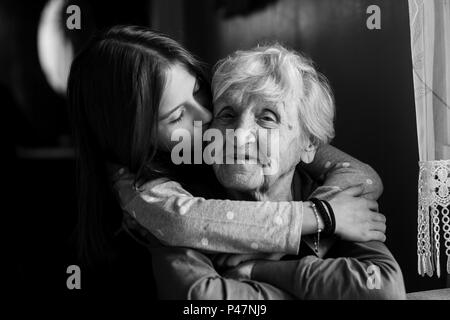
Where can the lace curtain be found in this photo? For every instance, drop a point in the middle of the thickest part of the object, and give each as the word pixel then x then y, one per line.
pixel 430 47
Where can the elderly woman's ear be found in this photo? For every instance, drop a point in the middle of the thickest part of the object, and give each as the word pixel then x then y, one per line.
pixel 308 153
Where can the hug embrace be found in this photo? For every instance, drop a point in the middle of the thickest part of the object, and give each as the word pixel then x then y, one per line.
pixel 311 229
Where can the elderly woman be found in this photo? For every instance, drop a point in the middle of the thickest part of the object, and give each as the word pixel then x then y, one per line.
pixel 264 90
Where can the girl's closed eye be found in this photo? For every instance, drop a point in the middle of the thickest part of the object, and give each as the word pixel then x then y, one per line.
pixel 177 117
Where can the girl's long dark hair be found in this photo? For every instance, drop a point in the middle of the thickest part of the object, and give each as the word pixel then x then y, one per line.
pixel 114 90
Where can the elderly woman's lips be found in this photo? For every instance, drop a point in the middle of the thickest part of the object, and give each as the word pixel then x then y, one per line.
pixel 243 157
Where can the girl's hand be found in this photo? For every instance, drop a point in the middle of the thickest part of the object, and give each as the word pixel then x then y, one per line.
pixel 357 218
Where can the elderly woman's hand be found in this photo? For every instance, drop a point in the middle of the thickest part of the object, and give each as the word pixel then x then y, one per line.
pixel 357 219
pixel 242 271
pixel 224 261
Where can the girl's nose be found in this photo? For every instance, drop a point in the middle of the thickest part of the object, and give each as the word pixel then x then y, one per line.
pixel 202 114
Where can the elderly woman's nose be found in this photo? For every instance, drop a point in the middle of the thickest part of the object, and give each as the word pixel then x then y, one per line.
pixel 244 137
pixel 245 131
pixel 245 121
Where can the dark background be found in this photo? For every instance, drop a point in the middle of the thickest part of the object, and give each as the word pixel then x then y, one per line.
pixel 370 72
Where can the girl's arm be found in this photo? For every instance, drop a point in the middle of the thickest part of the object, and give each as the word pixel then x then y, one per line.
pixel 334 168
pixel 177 218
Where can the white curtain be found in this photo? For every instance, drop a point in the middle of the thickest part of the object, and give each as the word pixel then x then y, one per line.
pixel 430 48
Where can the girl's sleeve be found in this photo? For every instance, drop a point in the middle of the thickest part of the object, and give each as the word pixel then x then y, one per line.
pixel 336 171
pixel 177 218
pixel 333 168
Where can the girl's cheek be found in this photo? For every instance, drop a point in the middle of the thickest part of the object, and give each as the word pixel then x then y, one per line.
pixel 164 135
pixel 185 133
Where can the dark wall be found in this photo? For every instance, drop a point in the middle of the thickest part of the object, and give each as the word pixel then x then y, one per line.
pixel 370 72
pixel 39 211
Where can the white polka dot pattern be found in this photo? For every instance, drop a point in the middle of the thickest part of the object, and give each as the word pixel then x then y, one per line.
pixel 230 215
pixel 278 220
pixel 183 210
pixel 183 205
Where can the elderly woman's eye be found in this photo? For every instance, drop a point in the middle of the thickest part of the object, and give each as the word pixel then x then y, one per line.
pixel 269 116
pixel 225 113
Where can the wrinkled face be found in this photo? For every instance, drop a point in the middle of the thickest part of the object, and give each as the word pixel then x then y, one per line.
pixel 184 100
pixel 259 124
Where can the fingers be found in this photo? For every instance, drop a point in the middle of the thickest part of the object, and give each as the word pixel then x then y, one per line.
pixel 355 191
pixel 377 236
pixel 372 205
pixel 379 226
pixel 234 260
pixel 227 260
pixel 220 259
pixel 378 217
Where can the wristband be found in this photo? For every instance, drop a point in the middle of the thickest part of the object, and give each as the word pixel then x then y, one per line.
pixel 326 217
pixel 332 217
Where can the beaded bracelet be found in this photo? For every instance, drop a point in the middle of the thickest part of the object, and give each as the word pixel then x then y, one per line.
pixel 323 214
pixel 319 230
pixel 327 215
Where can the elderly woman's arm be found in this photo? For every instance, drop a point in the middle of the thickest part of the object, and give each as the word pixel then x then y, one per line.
pixel 334 168
pixel 360 271
pixel 182 273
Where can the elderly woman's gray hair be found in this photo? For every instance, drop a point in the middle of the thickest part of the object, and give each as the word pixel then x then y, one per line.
pixel 276 74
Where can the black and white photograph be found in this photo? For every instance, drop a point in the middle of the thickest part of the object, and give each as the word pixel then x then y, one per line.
pixel 239 150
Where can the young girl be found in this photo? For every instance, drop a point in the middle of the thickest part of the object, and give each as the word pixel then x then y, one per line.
pixel 128 90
